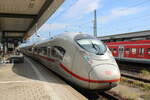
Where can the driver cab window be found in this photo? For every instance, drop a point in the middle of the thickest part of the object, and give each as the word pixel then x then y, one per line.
pixel 92 46
pixel 58 52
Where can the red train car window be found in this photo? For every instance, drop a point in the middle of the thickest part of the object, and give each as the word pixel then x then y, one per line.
pixel 114 50
pixel 127 50
pixel 133 50
pixel 141 51
pixel 148 51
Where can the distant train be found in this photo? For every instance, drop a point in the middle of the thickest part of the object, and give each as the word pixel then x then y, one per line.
pixel 79 58
pixel 133 51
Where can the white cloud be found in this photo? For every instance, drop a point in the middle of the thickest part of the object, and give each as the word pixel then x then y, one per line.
pixel 82 7
pixel 119 12
pixel 54 26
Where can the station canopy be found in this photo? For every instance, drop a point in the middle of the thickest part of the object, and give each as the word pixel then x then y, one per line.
pixel 22 17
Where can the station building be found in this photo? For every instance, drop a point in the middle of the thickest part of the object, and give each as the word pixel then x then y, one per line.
pixel 19 19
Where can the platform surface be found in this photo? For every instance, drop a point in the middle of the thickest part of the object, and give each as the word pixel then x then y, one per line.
pixel 32 81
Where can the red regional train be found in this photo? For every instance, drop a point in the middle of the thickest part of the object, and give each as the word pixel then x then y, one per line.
pixel 133 51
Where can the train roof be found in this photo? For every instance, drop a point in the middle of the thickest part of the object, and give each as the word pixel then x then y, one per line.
pixel 25 45
pixel 69 36
pixel 129 42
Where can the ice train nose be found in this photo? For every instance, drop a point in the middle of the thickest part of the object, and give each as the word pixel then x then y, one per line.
pixel 104 76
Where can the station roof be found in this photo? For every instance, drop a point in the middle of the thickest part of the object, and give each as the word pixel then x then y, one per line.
pixel 138 34
pixel 23 17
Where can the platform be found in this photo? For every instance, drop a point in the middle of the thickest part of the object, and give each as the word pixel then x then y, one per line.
pixel 32 81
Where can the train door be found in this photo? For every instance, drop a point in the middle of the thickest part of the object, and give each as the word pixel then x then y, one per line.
pixel 57 54
pixel 121 51
pixel 62 61
pixel 141 52
pixel 49 62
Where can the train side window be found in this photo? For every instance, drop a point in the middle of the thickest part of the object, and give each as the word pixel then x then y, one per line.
pixel 30 49
pixel 127 50
pixel 44 50
pixel 148 51
pixel 141 51
pixel 57 52
pixel 35 50
pixel 49 51
pixel 133 50
pixel 38 50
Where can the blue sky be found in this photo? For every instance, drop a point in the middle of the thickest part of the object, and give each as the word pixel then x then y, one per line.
pixel 113 17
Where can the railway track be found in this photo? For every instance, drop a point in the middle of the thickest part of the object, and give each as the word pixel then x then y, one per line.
pixel 134 71
pixel 129 69
pixel 100 95
pixel 135 78
pixel 134 67
pixel 109 96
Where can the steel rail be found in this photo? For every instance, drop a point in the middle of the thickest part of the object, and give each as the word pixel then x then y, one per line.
pixel 135 78
pixel 109 96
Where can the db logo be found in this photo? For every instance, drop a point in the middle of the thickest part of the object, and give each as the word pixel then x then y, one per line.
pixel 108 72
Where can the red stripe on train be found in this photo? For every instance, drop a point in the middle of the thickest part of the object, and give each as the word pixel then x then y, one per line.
pixel 85 79
pixel 79 77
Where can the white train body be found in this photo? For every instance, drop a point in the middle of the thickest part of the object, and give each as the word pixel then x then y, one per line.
pixel 79 58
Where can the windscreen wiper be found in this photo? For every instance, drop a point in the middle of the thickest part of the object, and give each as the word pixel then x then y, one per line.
pixel 96 46
pixel 97 49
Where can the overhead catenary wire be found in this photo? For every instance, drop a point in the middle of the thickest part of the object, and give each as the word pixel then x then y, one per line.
pixel 140 3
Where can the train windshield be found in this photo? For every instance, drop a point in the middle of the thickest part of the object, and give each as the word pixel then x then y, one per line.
pixel 92 45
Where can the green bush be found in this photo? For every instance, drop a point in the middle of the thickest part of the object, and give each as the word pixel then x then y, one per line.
pixel 145 72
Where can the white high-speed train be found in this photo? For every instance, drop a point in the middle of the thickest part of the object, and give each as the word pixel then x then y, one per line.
pixel 79 58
